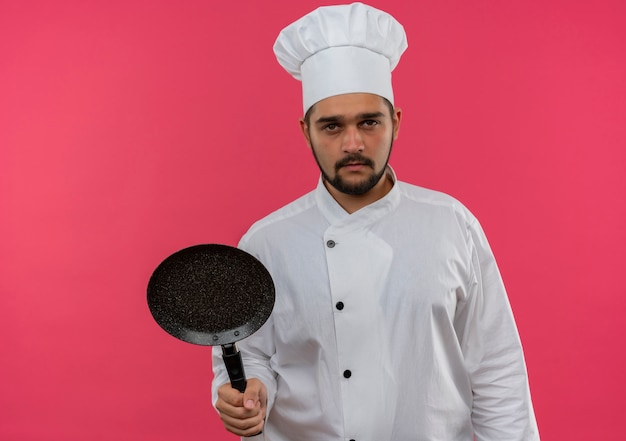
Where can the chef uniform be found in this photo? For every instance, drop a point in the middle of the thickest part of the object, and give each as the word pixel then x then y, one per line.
pixel 390 323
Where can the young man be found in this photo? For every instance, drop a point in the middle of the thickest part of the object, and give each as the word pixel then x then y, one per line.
pixel 391 321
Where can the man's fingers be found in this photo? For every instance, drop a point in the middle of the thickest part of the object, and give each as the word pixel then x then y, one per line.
pixel 243 413
pixel 243 427
pixel 254 394
pixel 243 422
pixel 250 404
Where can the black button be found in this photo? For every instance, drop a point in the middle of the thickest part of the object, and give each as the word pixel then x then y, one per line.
pixel 339 306
pixel 330 244
pixel 347 373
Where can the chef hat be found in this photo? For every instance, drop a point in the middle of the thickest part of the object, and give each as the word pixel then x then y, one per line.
pixel 342 49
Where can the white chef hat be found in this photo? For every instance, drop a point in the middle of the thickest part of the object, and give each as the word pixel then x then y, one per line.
pixel 342 49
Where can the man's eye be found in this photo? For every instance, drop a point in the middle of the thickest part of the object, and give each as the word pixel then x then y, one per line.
pixel 369 123
pixel 330 127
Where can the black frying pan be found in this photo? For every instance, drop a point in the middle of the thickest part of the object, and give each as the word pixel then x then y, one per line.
pixel 212 295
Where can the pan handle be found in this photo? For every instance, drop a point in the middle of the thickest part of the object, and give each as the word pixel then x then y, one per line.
pixel 234 366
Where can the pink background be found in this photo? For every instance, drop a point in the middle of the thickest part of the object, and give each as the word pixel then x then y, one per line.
pixel 131 129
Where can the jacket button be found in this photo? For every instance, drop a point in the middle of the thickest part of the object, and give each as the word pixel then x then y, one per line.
pixel 347 373
pixel 330 244
pixel 339 306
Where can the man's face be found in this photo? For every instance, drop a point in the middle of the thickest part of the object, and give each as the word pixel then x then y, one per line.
pixel 351 137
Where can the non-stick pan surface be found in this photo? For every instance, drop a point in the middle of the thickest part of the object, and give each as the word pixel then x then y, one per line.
pixel 211 294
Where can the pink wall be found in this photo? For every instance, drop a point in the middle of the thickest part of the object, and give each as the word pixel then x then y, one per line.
pixel 131 129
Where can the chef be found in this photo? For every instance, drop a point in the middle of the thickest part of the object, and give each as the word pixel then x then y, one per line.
pixel 391 320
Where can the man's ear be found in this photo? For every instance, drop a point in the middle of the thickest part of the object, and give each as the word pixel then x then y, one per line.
pixel 305 131
pixel 397 119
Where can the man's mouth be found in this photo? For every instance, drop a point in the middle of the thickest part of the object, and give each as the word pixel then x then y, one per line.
pixel 354 166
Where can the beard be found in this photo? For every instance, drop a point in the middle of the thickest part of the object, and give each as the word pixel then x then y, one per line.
pixel 358 188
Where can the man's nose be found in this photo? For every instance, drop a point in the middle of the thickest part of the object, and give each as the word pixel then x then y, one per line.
pixel 352 141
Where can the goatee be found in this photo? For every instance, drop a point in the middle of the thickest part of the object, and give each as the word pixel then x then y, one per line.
pixel 359 188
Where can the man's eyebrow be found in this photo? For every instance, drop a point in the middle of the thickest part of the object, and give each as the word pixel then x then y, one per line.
pixel 339 118
pixel 328 119
pixel 370 115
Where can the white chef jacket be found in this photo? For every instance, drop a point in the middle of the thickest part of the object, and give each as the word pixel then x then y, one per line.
pixel 390 323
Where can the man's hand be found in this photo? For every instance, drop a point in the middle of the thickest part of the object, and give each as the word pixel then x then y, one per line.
pixel 243 413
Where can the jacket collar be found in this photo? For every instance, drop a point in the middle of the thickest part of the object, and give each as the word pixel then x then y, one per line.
pixel 336 215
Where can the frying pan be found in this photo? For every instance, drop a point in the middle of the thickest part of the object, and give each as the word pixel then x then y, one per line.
pixel 211 295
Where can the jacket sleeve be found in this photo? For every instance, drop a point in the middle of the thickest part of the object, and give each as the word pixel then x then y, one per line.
pixel 502 407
